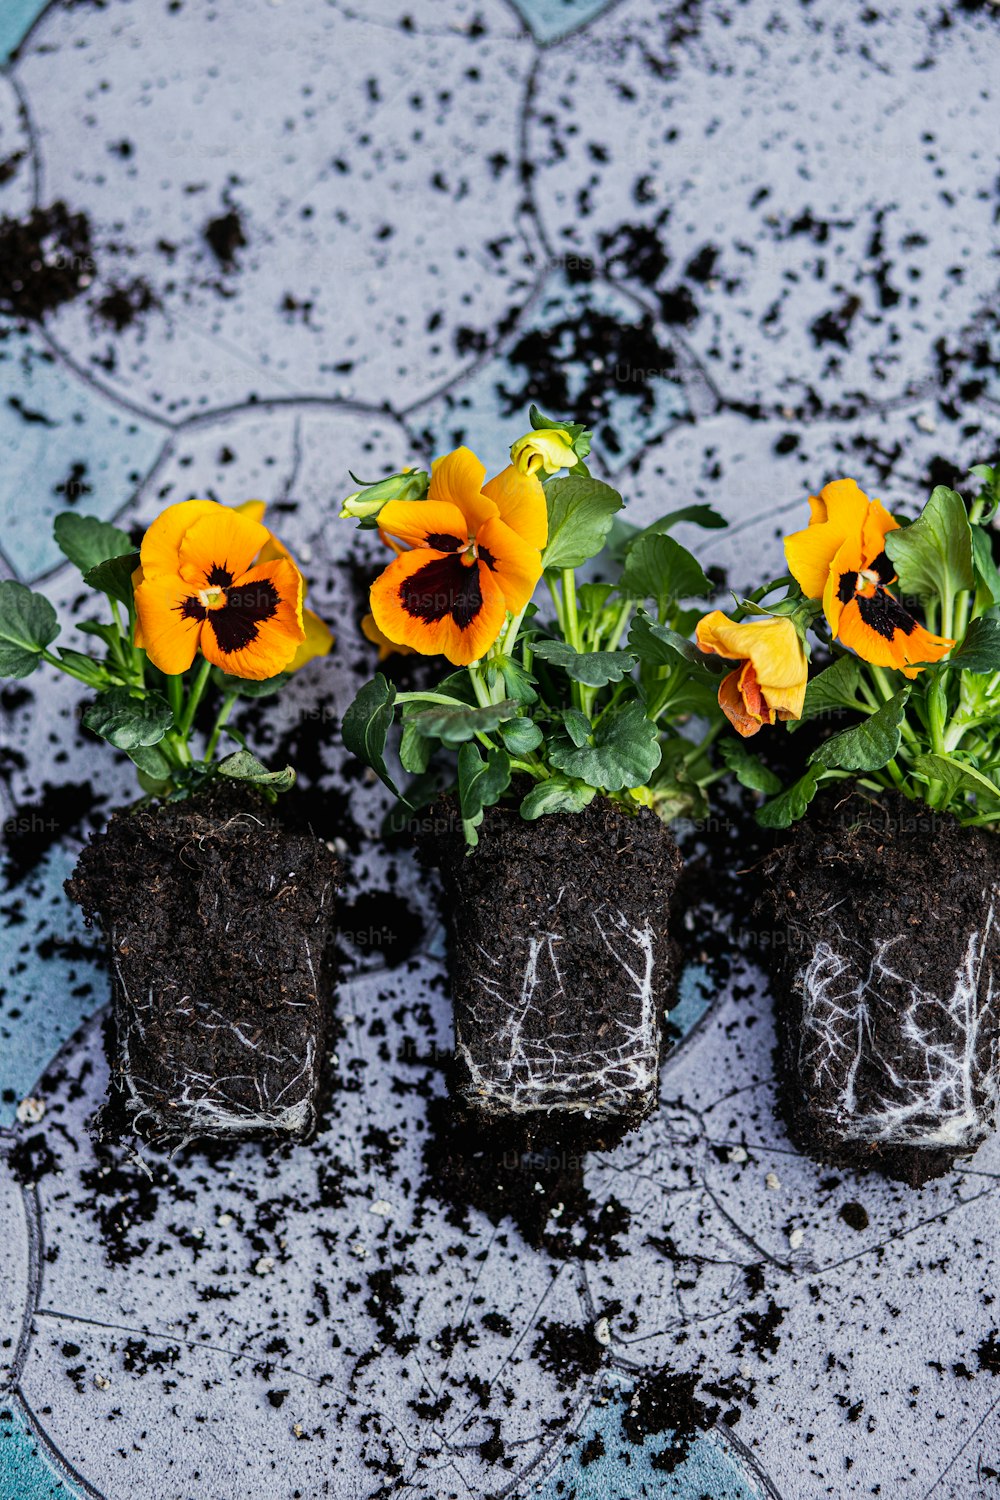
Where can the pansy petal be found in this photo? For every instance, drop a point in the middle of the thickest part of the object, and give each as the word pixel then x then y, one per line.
pixel 439 605
pixel 168 623
pixel 842 579
pixel 846 505
pixel 319 639
pixel 386 648
pixel 251 510
pixel 457 478
pixel 258 631
pixel 219 547
pixel 878 523
pixel 515 564
pixel 437 524
pixel 732 705
pixel 520 499
pixel 161 544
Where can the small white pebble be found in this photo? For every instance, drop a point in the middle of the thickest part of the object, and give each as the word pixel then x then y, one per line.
pixel 771 1181
pixel 737 1153
pixel 30 1111
pixel 746 1370
pixel 264 1265
pixel 361 1251
pixel 224 1221
pixel 102 1382
pixel 198 1233
pixel 382 1208
pixel 796 1238
pixel 602 1332
pixel 298 1430
pixel 925 422
pixel 556 1213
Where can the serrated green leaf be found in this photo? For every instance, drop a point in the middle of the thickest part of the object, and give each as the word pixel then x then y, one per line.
pixel 242 766
pixel 978 651
pixel 623 751
pixel 957 776
pixel 580 513
pixel 88 541
pixel 556 796
pixel 454 726
pixel 481 784
pixel 128 722
pixel 366 726
pixel 749 770
pixel 592 668
pixel 833 688
pixel 784 810
pixel 521 736
pixel 28 625
pixel 933 556
pixel 658 567
pixel 114 578
pixel 577 725
pixel 867 746
pixel 660 646
pixel 592 597
pixel 516 680
pixel 246 687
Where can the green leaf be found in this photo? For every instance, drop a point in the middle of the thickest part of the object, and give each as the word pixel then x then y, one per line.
pixel 623 533
pixel 578 726
pixel 414 751
pixel 556 796
pixel 660 646
pixel 933 556
pixel 93 671
pixel 521 736
pixel 105 630
pixel 574 429
pixel 86 541
pixel 246 687
pixel 990 494
pixel 454 726
pixel 749 770
pixel 623 751
pixel 366 726
pixel 786 809
pixel 481 784
pixel 986 568
pixel 580 514
pixel 659 568
pixel 155 770
pixel 28 625
pixel 128 722
pixel 979 650
pixel 592 668
pixel 114 577
pixel 592 597
pixel 516 680
pixel 957 775
pixel 242 766
pixel 867 746
pixel 833 688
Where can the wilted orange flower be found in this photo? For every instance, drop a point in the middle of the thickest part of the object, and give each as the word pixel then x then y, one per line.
pixel 840 558
pixel 201 586
pixel 467 554
pixel 770 681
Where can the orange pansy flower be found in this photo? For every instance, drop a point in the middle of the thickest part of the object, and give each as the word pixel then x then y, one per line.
pixel 770 681
pixel 200 586
pixel 386 648
pixel 319 636
pixel 467 554
pixel 840 558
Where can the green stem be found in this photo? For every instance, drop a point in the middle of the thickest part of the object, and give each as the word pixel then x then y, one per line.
pixel 572 630
pixel 175 697
pixel 55 661
pixel 220 722
pixel 194 698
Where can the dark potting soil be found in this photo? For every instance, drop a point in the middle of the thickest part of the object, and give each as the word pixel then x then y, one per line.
pixel 562 966
pixel 46 259
pixel 219 921
pixel 885 956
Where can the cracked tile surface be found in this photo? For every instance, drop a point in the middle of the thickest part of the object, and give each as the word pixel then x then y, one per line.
pixel 753 248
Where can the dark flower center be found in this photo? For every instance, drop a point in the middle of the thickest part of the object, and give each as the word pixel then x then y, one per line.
pixel 235 623
pixel 446 586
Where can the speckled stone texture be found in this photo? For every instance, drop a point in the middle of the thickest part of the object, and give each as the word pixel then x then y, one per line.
pixel 751 246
